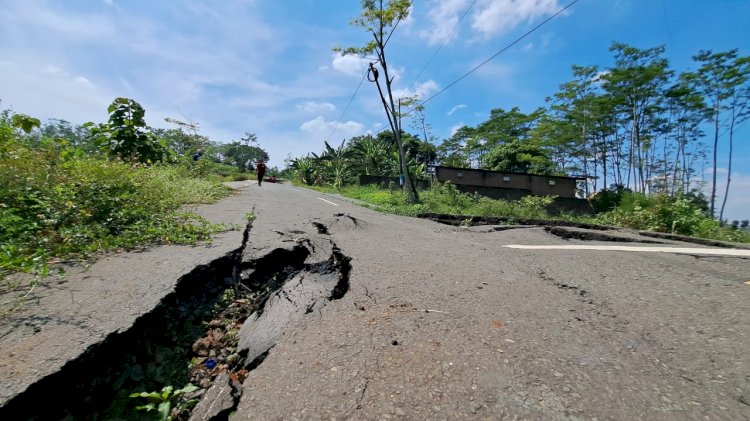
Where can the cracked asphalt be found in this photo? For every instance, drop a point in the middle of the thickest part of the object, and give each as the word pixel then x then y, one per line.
pixel 445 322
pixel 438 322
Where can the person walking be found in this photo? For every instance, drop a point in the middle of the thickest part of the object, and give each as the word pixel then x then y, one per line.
pixel 260 169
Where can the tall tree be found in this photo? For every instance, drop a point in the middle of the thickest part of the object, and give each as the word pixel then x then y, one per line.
pixel 721 79
pixel 636 83
pixel 380 18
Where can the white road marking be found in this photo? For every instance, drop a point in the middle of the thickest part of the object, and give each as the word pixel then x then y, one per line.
pixel 334 204
pixel 687 250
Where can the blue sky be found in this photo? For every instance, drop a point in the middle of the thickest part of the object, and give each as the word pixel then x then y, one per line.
pixel 267 67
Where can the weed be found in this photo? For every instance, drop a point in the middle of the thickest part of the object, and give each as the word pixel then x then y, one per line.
pixel 168 403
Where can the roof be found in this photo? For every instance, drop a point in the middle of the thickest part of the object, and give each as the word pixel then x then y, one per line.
pixel 511 173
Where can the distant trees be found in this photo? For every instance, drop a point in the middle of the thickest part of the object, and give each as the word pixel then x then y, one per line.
pixel 635 123
pixel 362 155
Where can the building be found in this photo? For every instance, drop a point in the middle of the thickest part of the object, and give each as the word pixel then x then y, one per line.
pixel 513 186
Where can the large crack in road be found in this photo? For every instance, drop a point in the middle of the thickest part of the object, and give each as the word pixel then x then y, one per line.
pixel 217 324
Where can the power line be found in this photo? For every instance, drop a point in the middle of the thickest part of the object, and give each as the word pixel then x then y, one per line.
pixel 363 79
pixel 401 16
pixel 416 78
pixel 496 54
pixel 348 104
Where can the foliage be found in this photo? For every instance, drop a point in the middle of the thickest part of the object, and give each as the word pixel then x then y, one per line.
pixel 125 135
pixel 523 157
pixel 166 401
pixel 677 215
pixel 56 202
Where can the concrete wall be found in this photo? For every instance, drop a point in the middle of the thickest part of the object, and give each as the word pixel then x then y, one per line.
pixel 534 184
pixel 561 204
pixel 389 182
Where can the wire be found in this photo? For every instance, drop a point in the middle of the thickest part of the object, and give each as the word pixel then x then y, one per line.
pixel 363 78
pixel 416 78
pixel 495 55
pixel 348 104
pixel 401 16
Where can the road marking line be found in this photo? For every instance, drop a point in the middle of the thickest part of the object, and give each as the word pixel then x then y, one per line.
pixel 334 204
pixel 687 250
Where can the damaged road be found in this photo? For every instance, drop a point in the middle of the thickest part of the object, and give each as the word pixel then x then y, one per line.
pixel 349 313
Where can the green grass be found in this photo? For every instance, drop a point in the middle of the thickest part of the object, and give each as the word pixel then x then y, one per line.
pixel 58 207
pixel 653 213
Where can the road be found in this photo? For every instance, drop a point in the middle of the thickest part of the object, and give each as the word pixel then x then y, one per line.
pixel 444 322
pixel 392 317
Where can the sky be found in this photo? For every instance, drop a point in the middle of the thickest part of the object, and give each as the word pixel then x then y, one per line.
pixel 268 66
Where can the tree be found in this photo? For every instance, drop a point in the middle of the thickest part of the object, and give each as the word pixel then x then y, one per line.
pixel 371 156
pixel 125 135
pixel 719 78
pixel 380 21
pixel 241 154
pixel 636 83
pixel 520 156
pixel 335 165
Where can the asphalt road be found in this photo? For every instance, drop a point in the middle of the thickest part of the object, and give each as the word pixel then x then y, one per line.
pixel 444 322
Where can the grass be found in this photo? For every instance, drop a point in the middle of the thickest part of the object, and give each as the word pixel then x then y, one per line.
pixel 652 213
pixel 56 207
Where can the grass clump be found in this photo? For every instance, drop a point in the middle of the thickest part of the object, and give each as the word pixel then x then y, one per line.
pixel 57 205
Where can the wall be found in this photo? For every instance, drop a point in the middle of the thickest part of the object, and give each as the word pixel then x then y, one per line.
pixel 532 184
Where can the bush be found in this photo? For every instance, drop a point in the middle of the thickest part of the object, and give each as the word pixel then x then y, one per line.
pixel 682 215
pixel 56 204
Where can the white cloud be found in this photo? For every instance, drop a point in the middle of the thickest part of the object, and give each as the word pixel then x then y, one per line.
pixel 83 81
pixel 350 64
pixel 455 128
pixel 496 17
pixel 421 90
pixel 322 129
pixel 444 16
pixel 455 108
pixel 316 107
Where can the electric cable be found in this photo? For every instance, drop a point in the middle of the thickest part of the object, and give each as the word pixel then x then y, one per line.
pixel 495 55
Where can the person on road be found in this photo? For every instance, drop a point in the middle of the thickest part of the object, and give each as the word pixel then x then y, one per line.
pixel 260 169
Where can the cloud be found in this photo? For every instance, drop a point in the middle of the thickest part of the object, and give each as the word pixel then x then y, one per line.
pixel 421 90
pixel 455 108
pixel 455 128
pixel 322 129
pixel 316 107
pixel 350 64
pixel 443 16
pixel 83 81
pixel 497 17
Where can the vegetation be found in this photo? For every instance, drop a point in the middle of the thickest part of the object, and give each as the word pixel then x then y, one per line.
pixel 381 20
pixel 167 402
pixel 70 191
pixel 632 130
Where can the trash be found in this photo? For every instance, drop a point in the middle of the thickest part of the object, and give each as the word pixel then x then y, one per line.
pixel 210 363
pixel 497 323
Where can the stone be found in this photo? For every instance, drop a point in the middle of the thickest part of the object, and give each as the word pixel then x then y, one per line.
pixel 216 400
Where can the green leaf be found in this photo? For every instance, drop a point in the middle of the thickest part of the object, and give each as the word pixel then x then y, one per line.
pixel 164 409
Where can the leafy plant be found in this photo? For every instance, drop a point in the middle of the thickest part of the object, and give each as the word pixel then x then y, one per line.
pixel 125 135
pixel 164 401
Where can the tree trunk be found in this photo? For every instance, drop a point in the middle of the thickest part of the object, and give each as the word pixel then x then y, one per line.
pixel 729 165
pixel 713 163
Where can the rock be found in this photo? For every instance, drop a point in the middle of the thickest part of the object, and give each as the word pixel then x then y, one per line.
pixel 215 401
pixel 201 346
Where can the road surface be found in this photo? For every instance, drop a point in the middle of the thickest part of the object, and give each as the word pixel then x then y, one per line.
pixel 432 322
pixel 443 322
